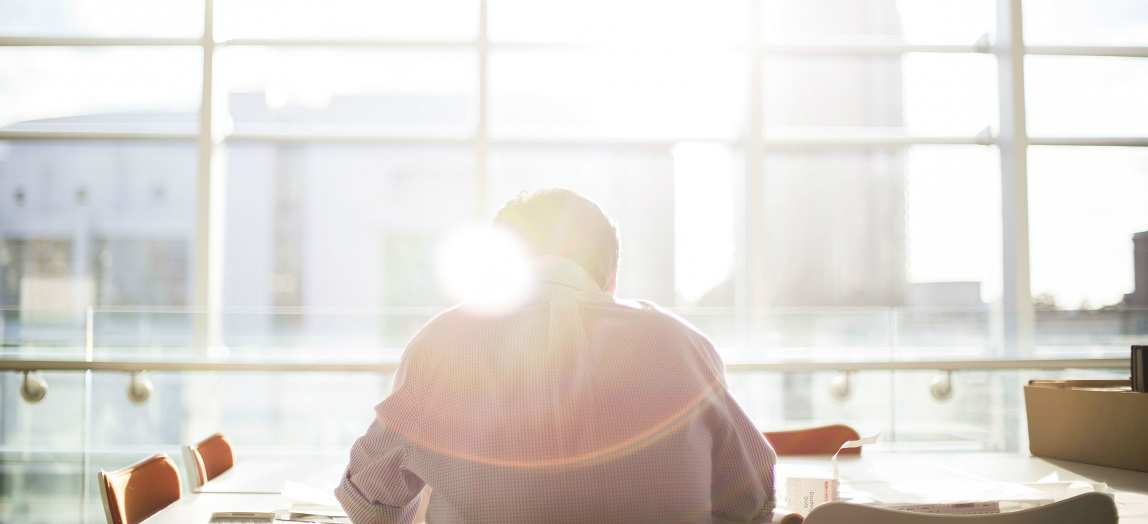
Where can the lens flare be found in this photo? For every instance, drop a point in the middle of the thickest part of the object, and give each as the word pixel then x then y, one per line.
pixel 485 268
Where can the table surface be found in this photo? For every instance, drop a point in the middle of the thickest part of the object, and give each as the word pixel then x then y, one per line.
pixel 876 471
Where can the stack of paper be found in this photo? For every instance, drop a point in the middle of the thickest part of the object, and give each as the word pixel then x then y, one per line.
pixel 309 504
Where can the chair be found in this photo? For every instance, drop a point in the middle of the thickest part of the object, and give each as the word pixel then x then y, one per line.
pixel 138 491
pixel 208 459
pixel 822 440
pixel 1088 508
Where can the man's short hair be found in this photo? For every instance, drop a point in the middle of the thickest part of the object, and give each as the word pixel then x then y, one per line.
pixel 563 223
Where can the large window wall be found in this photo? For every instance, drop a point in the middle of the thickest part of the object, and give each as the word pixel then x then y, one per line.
pixel 758 155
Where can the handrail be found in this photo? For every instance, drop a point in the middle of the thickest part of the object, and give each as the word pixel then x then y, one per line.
pixel 9 364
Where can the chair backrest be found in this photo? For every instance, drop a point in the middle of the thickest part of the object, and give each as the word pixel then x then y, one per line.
pixel 138 491
pixel 823 440
pixel 1088 508
pixel 208 459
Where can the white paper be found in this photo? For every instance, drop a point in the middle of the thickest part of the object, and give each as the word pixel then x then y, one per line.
pixel 311 500
pixel 863 441
pixel 804 494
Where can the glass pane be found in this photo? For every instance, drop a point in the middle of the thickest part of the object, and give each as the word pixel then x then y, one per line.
pixel 862 228
pixel 938 330
pixel 146 333
pixel 402 92
pixel 32 333
pixel 982 412
pixel 53 423
pixel 95 223
pixel 348 229
pixel 254 410
pixel 1086 95
pixel 100 88
pixel 369 333
pixel 1094 333
pixel 1111 22
pixel 952 225
pixel 820 333
pixel 649 194
pixel 1085 205
pixel 617 94
pixel 41 450
pixel 163 18
pixel 782 401
pixel 918 21
pixel 919 93
pixel 342 19
pixel 692 22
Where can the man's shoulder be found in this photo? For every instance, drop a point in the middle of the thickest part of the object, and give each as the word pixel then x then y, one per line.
pixel 446 322
pixel 653 318
pixel 642 316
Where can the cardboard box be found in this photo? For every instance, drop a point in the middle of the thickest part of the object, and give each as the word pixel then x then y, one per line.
pixel 1100 422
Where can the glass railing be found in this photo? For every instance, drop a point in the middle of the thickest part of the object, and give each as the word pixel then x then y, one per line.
pixel 304 383
pixel 778 334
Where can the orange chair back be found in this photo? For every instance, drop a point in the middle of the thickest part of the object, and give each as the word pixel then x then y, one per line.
pixel 823 440
pixel 137 492
pixel 211 457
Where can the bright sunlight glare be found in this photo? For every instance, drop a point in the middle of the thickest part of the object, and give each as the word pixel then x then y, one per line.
pixel 485 268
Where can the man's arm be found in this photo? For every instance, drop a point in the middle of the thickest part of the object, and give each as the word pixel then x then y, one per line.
pixel 742 487
pixel 742 479
pixel 377 487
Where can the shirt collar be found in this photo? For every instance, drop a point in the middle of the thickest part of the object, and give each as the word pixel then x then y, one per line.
pixel 557 271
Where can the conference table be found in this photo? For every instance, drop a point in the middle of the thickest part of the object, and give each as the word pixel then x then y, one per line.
pixel 254 485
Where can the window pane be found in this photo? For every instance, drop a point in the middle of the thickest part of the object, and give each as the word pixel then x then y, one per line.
pixel 1086 95
pixel 693 22
pixel 933 21
pixel 874 229
pixel 166 18
pixel 883 220
pixel 342 19
pixel 952 223
pixel 100 88
pixel 617 94
pixel 401 92
pixel 919 93
pixel 1112 22
pixel 329 228
pixel 1084 206
pixel 96 223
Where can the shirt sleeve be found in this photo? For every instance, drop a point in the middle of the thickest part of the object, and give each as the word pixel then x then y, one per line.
pixel 742 487
pixel 377 487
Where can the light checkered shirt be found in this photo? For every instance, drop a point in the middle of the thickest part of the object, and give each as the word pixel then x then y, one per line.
pixel 575 407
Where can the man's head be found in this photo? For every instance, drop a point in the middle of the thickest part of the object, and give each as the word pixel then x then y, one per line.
pixel 563 223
